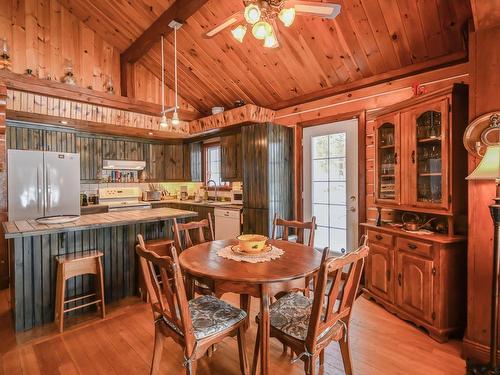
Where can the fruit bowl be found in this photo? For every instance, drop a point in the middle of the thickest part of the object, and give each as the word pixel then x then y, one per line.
pixel 252 243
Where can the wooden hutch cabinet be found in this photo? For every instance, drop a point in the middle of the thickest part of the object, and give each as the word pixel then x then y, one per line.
pixel 420 169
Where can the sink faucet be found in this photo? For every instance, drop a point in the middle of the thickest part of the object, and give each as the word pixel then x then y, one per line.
pixel 215 186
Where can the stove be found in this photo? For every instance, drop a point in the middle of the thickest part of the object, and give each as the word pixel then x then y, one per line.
pixel 123 199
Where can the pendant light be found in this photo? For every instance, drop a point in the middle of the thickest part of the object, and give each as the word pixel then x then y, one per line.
pixel 175 116
pixel 163 121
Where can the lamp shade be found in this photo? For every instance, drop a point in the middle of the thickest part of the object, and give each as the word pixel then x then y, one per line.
pixel 489 167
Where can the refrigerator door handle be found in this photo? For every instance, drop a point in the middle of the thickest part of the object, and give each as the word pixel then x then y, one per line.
pixel 48 193
pixel 38 190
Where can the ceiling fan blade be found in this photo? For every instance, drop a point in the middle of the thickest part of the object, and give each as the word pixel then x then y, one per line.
pixel 231 20
pixel 324 10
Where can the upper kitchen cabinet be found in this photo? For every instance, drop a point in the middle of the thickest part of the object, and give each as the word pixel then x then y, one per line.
pixel 420 141
pixel 192 162
pixel 231 158
pixel 174 162
pixel 155 165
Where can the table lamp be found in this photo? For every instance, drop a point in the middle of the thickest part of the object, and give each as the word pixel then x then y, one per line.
pixel 489 169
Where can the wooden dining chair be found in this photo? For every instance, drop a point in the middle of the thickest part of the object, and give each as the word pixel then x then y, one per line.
pixel 187 235
pixel 196 325
pixel 299 236
pixel 308 327
pixel 298 226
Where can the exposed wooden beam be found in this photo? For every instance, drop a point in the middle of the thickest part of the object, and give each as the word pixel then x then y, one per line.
pixel 181 10
pixel 440 62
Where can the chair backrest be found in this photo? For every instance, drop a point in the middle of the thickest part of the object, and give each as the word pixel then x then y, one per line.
pixel 166 291
pixel 184 231
pixel 335 304
pixel 299 226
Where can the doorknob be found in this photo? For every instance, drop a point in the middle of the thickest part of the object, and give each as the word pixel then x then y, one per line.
pixel 352 209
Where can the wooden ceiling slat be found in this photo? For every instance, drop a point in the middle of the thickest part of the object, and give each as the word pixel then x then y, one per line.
pixel 413 29
pixel 381 33
pixel 392 17
pixel 431 25
pixel 365 37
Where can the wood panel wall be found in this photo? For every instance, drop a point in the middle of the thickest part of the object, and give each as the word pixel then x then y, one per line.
pixel 42 34
pixel 30 106
pixel 485 85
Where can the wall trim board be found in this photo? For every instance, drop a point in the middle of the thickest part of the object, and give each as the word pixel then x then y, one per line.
pixel 373 97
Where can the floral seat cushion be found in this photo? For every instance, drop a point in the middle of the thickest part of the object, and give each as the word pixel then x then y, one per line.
pixel 291 314
pixel 210 315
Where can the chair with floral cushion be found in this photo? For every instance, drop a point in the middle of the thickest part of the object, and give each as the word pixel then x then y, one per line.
pixel 195 325
pixel 309 326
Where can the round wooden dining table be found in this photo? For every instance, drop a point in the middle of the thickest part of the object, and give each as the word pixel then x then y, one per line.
pixel 260 280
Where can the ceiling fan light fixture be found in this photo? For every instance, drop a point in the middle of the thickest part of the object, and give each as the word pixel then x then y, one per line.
pixel 271 41
pixel 239 33
pixel 261 30
pixel 252 13
pixel 287 16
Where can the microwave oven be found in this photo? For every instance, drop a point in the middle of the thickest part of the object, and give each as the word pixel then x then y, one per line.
pixel 237 196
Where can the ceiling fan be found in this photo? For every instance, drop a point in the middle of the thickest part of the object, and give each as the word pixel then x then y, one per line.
pixel 261 16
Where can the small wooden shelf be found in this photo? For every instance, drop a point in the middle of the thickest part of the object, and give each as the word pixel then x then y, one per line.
pixel 386 146
pixel 387 175
pixel 430 140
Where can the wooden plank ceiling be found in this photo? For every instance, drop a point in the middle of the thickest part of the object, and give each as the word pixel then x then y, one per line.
pixel 367 40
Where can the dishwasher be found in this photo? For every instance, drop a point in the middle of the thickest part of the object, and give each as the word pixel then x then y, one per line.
pixel 227 223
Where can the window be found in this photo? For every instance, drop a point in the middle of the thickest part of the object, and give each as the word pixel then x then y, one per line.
pixel 212 164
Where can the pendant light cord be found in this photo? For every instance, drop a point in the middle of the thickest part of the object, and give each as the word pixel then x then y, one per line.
pixel 175 66
pixel 162 78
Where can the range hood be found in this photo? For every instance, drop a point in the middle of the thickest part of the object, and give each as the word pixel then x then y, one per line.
pixel 124 165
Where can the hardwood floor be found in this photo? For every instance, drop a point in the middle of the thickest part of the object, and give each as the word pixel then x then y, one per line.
pixel 381 344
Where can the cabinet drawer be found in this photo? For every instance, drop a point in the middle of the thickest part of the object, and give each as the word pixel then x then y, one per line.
pixel 378 237
pixel 417 247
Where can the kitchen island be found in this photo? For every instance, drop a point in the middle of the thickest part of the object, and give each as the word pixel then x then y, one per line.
pixel 33 248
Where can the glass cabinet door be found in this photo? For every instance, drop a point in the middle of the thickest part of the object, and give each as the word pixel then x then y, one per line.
pixel 429 150
pixel 387 166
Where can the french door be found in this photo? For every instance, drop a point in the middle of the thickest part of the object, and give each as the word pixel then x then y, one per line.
pixel 330 185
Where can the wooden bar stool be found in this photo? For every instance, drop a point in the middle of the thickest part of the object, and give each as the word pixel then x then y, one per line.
pixel 77 264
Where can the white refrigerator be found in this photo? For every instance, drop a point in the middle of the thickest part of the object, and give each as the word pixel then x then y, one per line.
pixel 42 184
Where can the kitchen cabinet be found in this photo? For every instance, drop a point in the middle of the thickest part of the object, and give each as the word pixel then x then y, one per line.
pixel 174 162
pixel 194 163
pixel 267 176
pixel 231 157
pixel 155 168
pixel 379 271
pixel 419 278
pixel 415 285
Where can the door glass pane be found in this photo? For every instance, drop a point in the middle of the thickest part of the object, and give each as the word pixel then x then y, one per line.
pixel 428 158
pixel 329 180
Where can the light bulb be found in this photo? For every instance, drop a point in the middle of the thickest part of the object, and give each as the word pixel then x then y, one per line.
pixel 271 41
pixel 163 121
pixel 252 13
pixel 261 29
pixel 239 33
pixel 287 16
pixel 175 119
